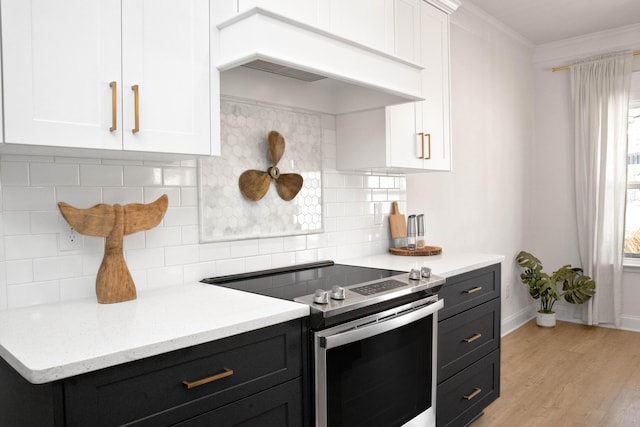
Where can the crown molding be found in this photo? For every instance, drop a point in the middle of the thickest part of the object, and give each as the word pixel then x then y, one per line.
pixel 616 39
pixel 448 6
pixel 499 25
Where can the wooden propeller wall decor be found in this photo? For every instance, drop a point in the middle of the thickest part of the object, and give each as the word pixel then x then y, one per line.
pixel 114 282
pixel 254 184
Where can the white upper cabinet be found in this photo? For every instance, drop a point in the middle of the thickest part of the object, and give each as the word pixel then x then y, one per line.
pixel 410 137
pixel 70 65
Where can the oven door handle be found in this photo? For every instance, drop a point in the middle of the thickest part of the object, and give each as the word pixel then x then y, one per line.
pixel 379 327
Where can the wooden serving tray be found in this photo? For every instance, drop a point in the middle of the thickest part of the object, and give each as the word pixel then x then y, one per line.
pixel 425 251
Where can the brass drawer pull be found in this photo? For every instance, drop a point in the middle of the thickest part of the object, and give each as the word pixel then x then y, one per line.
pixel 136 108
pixel 428 156
pixel 476 391
pixel 224 374
pixel 472 290
pixel 114 106
pixel 473 338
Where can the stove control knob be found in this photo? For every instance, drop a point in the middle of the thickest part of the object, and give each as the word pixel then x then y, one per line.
pixel 321 297
pixel 414 274
pixel 425 272
pixel 338 292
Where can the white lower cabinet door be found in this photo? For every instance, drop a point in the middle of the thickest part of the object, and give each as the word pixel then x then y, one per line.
pixel 59 58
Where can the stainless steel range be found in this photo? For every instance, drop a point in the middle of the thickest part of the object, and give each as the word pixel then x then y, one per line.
pixel 374 335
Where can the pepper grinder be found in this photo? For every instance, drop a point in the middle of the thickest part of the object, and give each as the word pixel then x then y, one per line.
pixel 411 232
pixel 420 238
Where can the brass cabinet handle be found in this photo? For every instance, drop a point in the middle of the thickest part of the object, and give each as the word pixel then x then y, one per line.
pixel 114 106
pixel 224 374
pixel 472 290
pixel 476 391
pixel 428 146
pixel 473 338
pixel 422 137
pixel 136 101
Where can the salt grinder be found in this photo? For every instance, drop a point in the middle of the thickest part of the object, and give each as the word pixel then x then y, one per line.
pixel 411 233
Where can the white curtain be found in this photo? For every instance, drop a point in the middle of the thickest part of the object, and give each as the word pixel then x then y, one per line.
pixel 600 89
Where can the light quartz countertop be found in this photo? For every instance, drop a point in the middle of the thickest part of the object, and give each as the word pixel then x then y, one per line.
pixel 45 343
pixel 445 264
pixel 49 342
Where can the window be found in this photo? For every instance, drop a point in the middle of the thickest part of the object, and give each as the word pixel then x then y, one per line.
pixel 632 218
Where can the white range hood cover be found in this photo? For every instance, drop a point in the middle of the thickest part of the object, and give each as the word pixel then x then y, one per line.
pixel 262 39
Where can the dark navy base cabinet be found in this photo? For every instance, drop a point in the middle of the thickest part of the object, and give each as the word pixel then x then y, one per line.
pixel 265 387
pixel 468 346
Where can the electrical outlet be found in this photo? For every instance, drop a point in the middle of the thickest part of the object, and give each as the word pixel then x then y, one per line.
pixel 377 213
pixel 70 239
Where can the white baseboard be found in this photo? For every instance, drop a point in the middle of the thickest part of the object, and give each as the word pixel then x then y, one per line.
pixel 516 320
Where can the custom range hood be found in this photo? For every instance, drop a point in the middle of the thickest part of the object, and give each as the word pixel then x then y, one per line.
pixel 264 56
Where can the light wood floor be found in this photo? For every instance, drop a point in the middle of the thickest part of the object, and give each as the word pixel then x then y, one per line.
pixel 570 375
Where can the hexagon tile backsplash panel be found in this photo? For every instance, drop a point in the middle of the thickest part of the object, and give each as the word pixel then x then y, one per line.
pixel 224 212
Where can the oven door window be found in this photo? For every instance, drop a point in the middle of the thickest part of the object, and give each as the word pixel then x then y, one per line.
pixel 383 380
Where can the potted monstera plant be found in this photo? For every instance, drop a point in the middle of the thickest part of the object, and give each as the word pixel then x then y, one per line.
pixel 576 287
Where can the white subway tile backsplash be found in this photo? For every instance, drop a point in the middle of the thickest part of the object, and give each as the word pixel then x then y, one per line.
pixel 101 175
pixel 80 197
pixel 295 243
pixel 31 246
pixel 165 276
pixel 190 235
pixel 142 176
pixel 270 245
pixel 283 259
pixel 189 196
pixel 16 223
pixel 14 173
pixel 28 198
pixel 151 194
pixel 255 263
pixel 32 294
pixel 181 216
pixel 186 177
pixel 180 255
pixel 193 273
pixel 356 181
pixel 20 271
pixel 122 195
pixel 33 270
pixel 133 241
pixel 54 174
pixel 78 288
pixel 138 259
pixel 59 267
pixel 43 222
pixel 214 251
pixel 160 237
pixel 230 266
pixel 244 248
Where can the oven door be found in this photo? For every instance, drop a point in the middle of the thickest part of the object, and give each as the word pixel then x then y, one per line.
pixel 379 370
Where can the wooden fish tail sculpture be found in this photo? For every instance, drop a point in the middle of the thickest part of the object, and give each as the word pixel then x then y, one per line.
pixel 114 282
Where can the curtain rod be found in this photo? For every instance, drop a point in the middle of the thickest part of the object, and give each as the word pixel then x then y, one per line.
pixel 567 67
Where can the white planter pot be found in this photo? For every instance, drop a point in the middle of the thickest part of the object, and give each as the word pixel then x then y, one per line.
pixel 547 320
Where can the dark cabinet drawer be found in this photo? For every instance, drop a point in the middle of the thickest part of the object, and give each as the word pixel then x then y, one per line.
pixel 469 289
pixel 463 397
pixel 279 406
pixel 151 391
pixel 466 337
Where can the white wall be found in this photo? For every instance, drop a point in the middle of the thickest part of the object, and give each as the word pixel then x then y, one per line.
pixel 550 232
pixel 34 269
pixel 480 205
